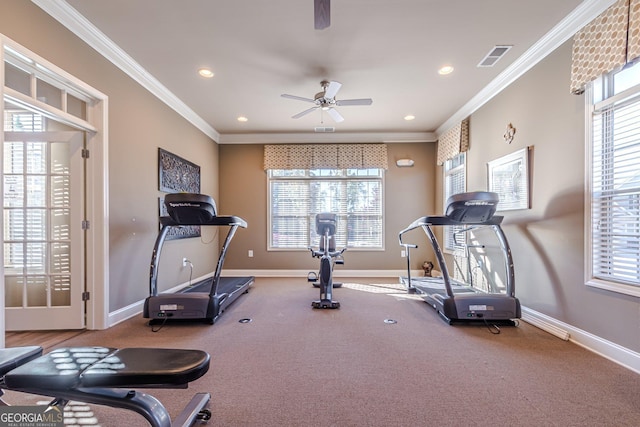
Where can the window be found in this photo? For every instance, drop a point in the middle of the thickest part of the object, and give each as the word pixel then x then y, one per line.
pixel 613 214
pixel 454 183
pixel 355 195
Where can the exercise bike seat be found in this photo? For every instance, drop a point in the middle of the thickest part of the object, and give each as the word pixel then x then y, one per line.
pixel 89 367
pixel 11 358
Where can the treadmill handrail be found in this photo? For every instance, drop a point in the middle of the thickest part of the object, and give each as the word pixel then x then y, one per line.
pixel 445 220
pixel 167 222
pixel 229 220
pixel 427 222
pixel 223 252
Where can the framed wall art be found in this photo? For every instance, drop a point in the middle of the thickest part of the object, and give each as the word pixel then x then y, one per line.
pixel 177 175
pixel 508 176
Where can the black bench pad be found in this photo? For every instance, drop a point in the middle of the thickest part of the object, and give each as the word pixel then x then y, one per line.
pixel 83 367
pixel 12 357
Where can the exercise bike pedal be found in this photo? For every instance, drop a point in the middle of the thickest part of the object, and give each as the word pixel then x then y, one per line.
pixel 312 277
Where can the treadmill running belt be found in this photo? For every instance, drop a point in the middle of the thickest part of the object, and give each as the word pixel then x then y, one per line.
pixel 226 285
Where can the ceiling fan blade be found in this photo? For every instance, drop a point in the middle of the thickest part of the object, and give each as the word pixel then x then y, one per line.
pixel 305 112
pixel 331 90
pixel 321 14
pixel 335 115
pixel 363 101
pixel 299 98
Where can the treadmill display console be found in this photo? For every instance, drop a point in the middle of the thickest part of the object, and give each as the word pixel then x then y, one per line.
pixel 479 206
pixel 189 208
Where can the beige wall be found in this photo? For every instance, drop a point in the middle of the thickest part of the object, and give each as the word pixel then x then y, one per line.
pixel 243 192
pixel 138 124
pixel 548 239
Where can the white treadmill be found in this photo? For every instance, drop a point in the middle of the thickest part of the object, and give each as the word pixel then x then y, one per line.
pixel 456 301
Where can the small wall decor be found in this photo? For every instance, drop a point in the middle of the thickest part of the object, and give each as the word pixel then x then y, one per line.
pixel 508 176
pixel 509 134
pixel 177 175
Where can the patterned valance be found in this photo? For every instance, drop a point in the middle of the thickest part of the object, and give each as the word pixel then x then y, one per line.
pixel 325 156
pixel 606 43
pixel 453 142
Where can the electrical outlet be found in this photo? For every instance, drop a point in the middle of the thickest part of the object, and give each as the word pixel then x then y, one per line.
pixel 403 254
pixel 184 262
pixel 250 253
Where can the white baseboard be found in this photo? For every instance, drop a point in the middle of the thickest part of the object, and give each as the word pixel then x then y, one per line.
pixel 337 273
pixel 125 313
pixel 607 349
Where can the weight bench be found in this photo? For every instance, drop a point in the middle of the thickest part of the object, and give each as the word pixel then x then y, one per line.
pixel 107 376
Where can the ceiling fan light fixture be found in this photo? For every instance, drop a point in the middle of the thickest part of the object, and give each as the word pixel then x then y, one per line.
pixel 325 101
pixel 409 117
pixel 242 119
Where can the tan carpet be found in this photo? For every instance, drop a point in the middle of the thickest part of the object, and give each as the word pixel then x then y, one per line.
pixel 295 366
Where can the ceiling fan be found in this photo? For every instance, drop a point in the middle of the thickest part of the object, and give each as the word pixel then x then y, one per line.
pixel 326 101
pixel 321 14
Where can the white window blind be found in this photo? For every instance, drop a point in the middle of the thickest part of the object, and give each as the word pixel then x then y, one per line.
pixel 355 195
pixel 615 181
pixel 454 182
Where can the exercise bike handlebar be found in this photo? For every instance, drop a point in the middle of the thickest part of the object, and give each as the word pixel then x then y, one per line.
pixel 332 254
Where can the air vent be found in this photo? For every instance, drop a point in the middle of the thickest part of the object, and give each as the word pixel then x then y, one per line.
pixel 325 129
pixel 494 55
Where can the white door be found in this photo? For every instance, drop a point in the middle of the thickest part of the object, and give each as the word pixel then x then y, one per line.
pixel 43 192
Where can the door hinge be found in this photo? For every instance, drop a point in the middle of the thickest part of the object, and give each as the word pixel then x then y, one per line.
pixel 86 296
pixel 86 224
pixel 85 153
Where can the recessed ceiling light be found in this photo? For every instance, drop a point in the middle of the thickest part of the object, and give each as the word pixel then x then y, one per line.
pixel 409 117
pixel 242 119
pixel 447 69
pixel 205 72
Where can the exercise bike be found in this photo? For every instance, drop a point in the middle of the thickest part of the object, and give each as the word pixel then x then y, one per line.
pixel 326 228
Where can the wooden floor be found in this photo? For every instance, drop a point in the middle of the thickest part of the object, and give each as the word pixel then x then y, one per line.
pixel 46 339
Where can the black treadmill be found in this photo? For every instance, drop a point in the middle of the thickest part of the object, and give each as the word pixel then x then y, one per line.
pixel 207 299
pixel 456 301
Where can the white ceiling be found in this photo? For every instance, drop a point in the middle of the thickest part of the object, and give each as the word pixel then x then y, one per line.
pixel 386 50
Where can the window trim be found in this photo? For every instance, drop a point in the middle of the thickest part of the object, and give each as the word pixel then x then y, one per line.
pixel 590 108
pixel 269 215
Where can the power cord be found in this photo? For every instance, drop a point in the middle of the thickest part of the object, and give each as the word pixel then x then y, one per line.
pixel 159 327
pixel 493 328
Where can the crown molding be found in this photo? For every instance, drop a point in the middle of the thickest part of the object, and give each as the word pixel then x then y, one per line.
pixel 80 26
pixel 76 23
pixel 347 137
pixel 586 12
